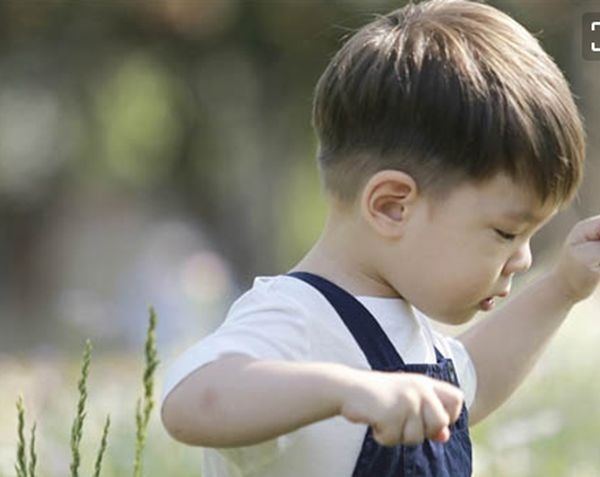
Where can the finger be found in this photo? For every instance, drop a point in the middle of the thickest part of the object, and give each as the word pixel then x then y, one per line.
pixel 435 419
pixel 442 436
pixel 589 254
pixel 388 434
pixel 451 397
pixel 413 432
pixel 587 230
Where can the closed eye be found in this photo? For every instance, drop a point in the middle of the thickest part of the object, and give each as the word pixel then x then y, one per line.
pixel 505 235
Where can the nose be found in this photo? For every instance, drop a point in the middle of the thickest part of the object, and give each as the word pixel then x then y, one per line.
pixel 520 261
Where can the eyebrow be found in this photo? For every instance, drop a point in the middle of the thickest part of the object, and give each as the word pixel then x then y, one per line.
pixel 520 216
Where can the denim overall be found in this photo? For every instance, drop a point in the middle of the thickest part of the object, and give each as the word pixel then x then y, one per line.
pixel 451 459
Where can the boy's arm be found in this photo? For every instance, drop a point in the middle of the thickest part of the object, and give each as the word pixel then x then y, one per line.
pixel 239 401
pixel 505 346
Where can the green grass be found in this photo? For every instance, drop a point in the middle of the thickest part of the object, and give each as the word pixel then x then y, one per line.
pixel 77 427
pixel 25 465
pixel 146 403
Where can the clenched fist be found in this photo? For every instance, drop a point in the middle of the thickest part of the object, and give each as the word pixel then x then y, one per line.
pixel 578 269
pixel 402 408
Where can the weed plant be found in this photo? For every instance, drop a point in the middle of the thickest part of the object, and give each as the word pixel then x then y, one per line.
pixel 26 462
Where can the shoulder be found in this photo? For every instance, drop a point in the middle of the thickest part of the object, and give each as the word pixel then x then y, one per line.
pixel 278 297
pixel 266 322
pixel 281 294
pixel 276 289
pixel 288 311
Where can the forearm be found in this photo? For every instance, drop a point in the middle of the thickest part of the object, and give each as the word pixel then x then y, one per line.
pixel 505 346
pixel 238 401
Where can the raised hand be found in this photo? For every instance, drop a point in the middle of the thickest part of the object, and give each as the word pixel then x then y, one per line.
pixel 578 269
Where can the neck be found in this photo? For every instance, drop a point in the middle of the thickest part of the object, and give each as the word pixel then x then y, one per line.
pixel 341 256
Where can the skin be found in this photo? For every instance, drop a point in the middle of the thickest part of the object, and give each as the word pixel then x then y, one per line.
pixel 472 242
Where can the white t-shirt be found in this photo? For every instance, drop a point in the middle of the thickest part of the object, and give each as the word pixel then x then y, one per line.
pixel 284 318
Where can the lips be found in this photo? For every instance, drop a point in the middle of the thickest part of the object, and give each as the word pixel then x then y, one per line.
pixel 487 304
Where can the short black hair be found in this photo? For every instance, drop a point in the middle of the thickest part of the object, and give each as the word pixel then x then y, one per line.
pixel 447 91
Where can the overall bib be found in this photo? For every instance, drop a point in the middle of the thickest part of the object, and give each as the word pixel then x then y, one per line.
pixel 451 459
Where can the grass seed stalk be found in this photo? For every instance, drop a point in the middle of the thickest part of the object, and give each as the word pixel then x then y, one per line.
pixel 146 403
pixel 77 428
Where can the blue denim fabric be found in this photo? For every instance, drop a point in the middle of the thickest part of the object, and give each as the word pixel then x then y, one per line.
pixel 450 459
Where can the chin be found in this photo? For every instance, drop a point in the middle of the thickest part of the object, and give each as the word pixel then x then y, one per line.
pixel 455 319
pixel 463 319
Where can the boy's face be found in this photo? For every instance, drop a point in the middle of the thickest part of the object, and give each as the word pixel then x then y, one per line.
pixel 461 253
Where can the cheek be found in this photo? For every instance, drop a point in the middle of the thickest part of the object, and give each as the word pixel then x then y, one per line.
pixel 473 259
pixel 464 279
pixel 450 271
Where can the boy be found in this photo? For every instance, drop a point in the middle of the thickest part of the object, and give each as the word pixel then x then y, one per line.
pixel 447 138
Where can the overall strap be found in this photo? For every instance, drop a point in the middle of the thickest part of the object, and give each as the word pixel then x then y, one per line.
pixel 371 338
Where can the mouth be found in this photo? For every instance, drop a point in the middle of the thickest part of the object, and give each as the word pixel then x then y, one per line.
pixel 487 304
pixel 490 302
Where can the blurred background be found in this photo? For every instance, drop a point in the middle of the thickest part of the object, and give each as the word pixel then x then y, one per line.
pixel 160 153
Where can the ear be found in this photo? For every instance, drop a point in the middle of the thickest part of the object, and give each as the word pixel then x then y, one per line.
pixel 386 201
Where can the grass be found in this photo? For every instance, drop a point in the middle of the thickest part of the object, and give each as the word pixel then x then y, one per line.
pixel 146 403
pixel 102 450
pixel 25 465
pixel 77 427
pixel 21 466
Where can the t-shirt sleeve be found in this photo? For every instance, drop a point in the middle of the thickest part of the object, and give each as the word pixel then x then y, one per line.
pixel 262 323
pixel 465 369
